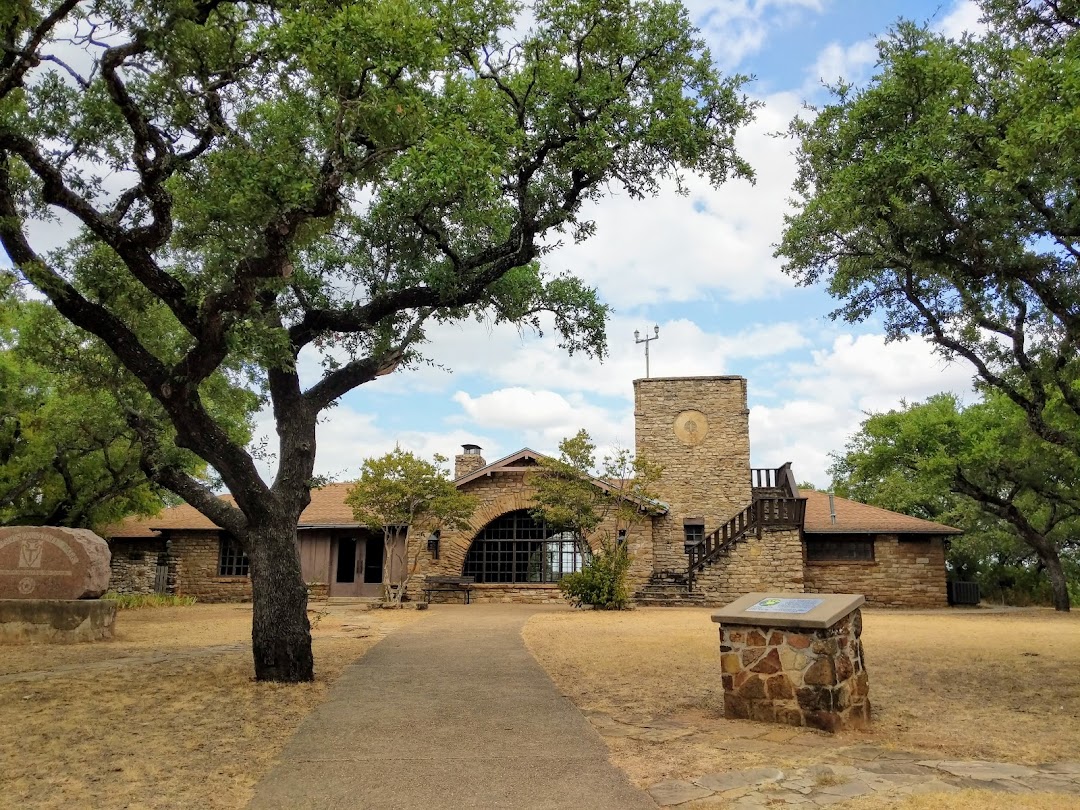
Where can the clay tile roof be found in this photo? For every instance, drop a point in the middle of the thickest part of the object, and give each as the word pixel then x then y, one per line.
pixel 327 508
pixel 852 516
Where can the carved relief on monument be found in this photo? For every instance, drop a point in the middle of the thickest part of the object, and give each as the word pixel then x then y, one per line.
pixel 46 562
pixel 691 427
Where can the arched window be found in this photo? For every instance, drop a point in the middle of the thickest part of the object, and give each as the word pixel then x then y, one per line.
pixel 517 548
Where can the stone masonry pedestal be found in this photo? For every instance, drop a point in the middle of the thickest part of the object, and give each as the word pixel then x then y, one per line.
pixel 795 659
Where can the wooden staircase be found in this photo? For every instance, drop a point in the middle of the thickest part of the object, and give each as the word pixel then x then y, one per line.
pixel 774 504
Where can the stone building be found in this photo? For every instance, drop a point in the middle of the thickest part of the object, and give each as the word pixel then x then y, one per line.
pixel 721 529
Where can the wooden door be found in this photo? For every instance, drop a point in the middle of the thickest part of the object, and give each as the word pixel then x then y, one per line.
pixel 346 564
pixel 371 548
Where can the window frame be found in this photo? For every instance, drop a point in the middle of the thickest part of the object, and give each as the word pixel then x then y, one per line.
pixel 514 547
pixel 826 548
pixel 233 560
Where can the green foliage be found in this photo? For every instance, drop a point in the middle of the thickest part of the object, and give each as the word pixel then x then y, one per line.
pixel 979 468
pixel 602 582
pixel 401 489
pixel 398 490
pixel 943 197
pixel 573 495
pixel 595 506
pixel 138 601
pixel 68 456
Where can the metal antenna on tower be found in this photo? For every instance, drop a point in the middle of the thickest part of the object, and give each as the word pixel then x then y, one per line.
pixel 646 340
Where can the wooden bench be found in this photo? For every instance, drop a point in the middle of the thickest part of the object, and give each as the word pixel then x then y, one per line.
pixel 447 584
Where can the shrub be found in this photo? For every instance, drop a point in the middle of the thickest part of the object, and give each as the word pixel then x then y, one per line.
pixel 136 601
pixel 602 582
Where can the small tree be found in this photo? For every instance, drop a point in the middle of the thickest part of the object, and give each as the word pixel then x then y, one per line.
pixel 599 506
pixel 399 490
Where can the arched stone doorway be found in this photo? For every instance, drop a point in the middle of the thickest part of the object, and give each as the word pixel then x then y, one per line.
pixel 515 548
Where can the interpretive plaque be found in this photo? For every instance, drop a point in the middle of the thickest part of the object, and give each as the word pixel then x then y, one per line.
pixel 775 605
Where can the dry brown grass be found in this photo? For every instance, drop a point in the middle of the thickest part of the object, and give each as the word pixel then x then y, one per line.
pixel 161 717
pixel 997 686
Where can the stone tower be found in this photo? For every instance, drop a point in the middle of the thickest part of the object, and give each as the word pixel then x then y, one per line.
pixel 698 430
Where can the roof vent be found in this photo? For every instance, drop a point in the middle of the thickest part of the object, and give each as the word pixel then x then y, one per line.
pixel 832 509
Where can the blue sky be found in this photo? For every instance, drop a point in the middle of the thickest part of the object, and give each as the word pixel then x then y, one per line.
pixel 700 267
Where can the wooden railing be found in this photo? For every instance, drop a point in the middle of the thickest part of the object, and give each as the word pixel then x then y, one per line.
pixel 763 478
pixel 781 479
pixel 761 513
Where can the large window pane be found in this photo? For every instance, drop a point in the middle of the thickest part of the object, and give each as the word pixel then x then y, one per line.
pixel 517 548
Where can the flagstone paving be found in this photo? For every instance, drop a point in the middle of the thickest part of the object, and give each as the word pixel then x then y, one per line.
pixel 853 771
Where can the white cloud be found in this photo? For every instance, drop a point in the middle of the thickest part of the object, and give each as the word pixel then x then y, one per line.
pixel 828 397
pixel 852 63
pixel 735 29
pixel 345 437
pixel 542 418
pixel 504 357
pixel 963 18
pixel 712 244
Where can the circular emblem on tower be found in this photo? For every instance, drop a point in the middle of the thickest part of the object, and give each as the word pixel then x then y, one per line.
pixel 691 427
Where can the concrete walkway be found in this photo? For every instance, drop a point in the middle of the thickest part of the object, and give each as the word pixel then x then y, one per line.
pixel 450 712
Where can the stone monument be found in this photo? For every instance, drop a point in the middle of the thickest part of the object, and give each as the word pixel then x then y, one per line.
pixel 50 583
pixel 795 659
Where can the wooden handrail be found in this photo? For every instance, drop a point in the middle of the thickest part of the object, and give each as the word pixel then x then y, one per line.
pixel 781 478
pixel 774 512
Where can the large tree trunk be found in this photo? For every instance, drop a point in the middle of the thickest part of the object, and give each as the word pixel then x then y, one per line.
pixel 280 631
pixel 1052 563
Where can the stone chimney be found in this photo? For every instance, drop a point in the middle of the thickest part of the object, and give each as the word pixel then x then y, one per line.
pixel 468 461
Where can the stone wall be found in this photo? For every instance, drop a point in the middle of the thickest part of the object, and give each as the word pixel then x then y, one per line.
pixel 198 554
pixel 134 564
pixel 773 563
pixel 697 429
pixel 813 678
pixel 486 593
pixel 904 573
pixel 56 621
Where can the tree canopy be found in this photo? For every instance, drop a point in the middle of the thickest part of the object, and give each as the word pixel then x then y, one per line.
pixel 402 489
pixel 980 468
pixel 68 456
pixel 281 182
pixel 943 197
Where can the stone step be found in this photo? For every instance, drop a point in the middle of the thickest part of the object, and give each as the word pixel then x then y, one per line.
pixel 668 579
pixel 654 588
pixel 686 600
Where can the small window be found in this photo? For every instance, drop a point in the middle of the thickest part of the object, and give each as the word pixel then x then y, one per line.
pixel 840 550
pixel 620 540
pixel 232 559
pixel 693 532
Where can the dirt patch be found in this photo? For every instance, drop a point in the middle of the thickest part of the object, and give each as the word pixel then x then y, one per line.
pixel 167 715
pixel 968 800
pixel 950 685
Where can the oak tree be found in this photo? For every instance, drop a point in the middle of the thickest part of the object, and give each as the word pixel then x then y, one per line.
pixel 288 181
pixel 979 467
pixel 942 196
